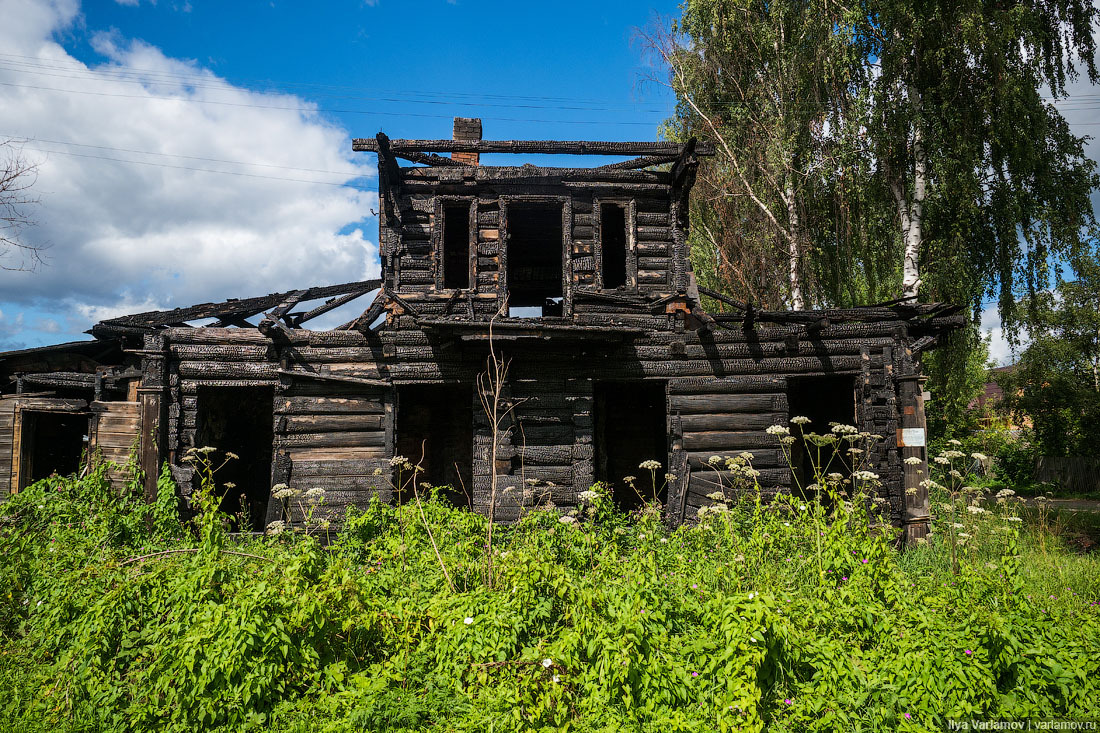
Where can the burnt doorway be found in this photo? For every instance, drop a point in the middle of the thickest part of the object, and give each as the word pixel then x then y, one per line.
pixel 825 400
pixel 239 420
pixel 535 262
pixel 435 427
pixel 51 442
pixel 631 427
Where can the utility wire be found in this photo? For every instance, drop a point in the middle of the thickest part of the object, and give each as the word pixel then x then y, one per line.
pixel 315 109
pixel 203 170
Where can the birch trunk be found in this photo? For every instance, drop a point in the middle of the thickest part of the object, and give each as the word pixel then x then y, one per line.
pixel 794 250
pixel 913 233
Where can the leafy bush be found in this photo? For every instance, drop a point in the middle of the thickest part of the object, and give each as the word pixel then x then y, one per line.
pixel 786 614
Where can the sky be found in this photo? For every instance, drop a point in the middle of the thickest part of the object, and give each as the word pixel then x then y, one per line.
pixel 197 150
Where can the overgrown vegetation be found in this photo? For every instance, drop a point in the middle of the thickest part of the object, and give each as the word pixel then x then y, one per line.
pixel 784 614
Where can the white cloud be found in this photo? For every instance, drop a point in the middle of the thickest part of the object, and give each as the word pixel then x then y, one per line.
pixel 1000 350
pixel 160 230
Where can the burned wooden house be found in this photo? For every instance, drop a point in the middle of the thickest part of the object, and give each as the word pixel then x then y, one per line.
pixel 579 277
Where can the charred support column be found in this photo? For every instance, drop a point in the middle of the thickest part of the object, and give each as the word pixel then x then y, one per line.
pixel 153 405
pixel 912 439
pixel 467 129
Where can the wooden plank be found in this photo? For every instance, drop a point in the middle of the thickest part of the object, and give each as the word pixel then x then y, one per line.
pixel 733 422
pixel 310 405
pixel 307 453
pixel 727 403
pixel 331 440
pixel 332 423
pixel 730 442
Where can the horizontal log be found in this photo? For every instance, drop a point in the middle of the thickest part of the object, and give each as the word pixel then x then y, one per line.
pixel 652 219
pixel 365 484
pixel 310 405
pixel 336 453
pixel 51 404
pixel 702 483
pixel 653 277
pixel 330 354
pixel 729 442
pixel 654 234
pixel 228 370
pixel 331 440
pixel 340 467
pixel 727 403
pixel 654 263
pixel 332 423
pixel 761 458
pixel 734 422
pixel 530 147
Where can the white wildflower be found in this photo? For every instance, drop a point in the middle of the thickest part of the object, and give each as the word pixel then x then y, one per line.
pixel 979 457
pixel 650 465
pixel 276 528
pixel 942 460
pixel 976 510
pixel 285 492
pixel 800 420
pixel 845 430
pixel 714 460
pixel 588 495
pixel 865 476
pixel 315 494
pixel 787 440
pixel 913 461
pixel 399 461
pixel 566 520
pixel 746 455
pixel 548 663
pixel 953 441
pixel 670 477
pixel 1005 493
pixel 1013 519
pixel 468 620
pixel 953 454
pixel 778 430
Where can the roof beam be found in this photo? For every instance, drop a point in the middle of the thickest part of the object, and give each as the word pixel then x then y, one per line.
pixel 532 147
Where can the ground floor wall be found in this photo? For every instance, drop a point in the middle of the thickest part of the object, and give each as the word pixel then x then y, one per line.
pixel 337 419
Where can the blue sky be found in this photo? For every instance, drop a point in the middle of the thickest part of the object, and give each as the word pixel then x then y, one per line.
pixel 197 150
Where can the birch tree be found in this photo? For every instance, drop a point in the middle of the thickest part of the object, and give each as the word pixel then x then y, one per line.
pixel 885 147
pixel 761 81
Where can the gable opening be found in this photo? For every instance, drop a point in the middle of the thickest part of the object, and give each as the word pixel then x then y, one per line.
pixel 613 243
pixel 240 420
pixel 824 400
pixel 456 246
pixel 51 442
pixel 631 428
pixel 435 428
pixel 534 271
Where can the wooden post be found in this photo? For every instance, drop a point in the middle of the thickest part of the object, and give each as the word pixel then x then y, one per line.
pixel 912 439
pixel 153 409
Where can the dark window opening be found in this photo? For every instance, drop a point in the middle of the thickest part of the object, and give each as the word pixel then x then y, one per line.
pixel 630 429
pixel 535 260
pixel 824 400
pixel 613 242
pixel 456 246
pixel 240 420
pixel 435 428
pixel 51 442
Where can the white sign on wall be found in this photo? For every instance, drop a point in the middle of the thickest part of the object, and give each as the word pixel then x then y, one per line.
pixel 912 437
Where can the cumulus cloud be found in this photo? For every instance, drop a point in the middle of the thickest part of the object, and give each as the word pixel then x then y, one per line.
pixel 162 184
pixel 1001 352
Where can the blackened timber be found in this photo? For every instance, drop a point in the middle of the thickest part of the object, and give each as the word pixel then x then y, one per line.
pixel 329 305
pixel 643 162
pixel 531 147
pixel 428 159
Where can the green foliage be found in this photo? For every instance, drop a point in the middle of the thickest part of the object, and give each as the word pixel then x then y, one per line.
pixel 1056 382
pixel 786 615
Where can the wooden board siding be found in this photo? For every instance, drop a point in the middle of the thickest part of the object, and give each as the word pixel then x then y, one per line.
pixel 7 442
pixel 114 435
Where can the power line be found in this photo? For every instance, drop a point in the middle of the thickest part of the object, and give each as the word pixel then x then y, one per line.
pixel 314 109
pixel 203 170
pixel 32 139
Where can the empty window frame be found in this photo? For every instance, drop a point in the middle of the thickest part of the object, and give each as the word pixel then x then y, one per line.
pixel 631 428
pixel 535 272
pixel 435 429
pixel 613 244
pixel 50 442
pixel 240 420
pixel 456 242
pixel 824 399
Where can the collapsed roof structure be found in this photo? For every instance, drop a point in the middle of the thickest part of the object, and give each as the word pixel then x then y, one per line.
pixel 579 277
